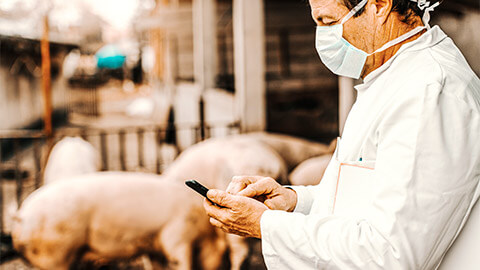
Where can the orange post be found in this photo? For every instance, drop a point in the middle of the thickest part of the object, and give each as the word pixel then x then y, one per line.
pixel 46 79
pixel 157 39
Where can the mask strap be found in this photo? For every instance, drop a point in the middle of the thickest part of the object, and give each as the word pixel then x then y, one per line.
pixel 400 39
pixel 354 11
pixel 426 14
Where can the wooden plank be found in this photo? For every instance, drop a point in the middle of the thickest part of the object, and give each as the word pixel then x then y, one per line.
pixel 249 56
pixel 1 191
pixel 46 79
pixel 205 43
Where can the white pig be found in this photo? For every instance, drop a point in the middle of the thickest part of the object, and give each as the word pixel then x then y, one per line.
pixel 112 216
pixel 70 157
pixel 214 162
pixel 310 172
pixel 292 149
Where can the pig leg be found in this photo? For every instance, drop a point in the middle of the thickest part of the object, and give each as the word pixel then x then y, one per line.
pixel 46 247
pixel 177 245
pixel 238 250
pixel 47 259
pixel 147 264
pixel 212 249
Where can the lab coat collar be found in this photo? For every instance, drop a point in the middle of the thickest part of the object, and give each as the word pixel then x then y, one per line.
pixel 428 39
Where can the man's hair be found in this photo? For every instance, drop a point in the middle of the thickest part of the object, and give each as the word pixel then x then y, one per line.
pixel 407 9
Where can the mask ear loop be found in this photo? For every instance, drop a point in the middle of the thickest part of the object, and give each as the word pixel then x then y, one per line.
pixel 354 11
pixel 426 14
pixel 425 19
pixel 400 39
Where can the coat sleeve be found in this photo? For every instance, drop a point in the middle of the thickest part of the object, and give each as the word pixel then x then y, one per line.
pixel 427 181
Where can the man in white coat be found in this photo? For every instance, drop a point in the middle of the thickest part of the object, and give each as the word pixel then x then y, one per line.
pixel 406 171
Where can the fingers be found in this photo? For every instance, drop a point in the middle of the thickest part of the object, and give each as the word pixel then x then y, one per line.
pixel 285 199
pixel 238 183
pixel 216 223
pixel 269 204
pixel 264 186
pixel 220 197
pixel 217 196
pixel 244 221
pixel 225 228
pixel 215 211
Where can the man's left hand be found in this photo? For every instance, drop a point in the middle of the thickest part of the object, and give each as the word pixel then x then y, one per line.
pixel 235 214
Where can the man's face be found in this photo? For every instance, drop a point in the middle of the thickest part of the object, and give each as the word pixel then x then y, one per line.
pixel 359 31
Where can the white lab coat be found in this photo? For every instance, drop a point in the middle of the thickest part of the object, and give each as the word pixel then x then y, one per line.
pixel 416 126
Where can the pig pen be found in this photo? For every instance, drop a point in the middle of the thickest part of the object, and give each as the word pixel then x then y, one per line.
pixel 290 151
pixel 23 155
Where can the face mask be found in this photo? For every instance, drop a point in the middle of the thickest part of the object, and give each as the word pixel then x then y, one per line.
pixel 344 59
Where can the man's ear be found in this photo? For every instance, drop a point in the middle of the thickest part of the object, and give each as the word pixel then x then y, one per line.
pixel 382 9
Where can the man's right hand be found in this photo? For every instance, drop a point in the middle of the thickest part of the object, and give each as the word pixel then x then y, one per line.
pixel 265 189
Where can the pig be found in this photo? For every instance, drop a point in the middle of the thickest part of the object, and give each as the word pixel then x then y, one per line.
pixel 70 157
pixel 215 161
pixel 293 150
pixel 104 217
pixel 310 172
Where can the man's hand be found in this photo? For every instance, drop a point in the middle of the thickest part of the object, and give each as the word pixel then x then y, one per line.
pixel 266 190
pixel 234 214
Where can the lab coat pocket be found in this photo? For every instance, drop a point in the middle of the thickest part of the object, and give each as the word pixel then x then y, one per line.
pixel 355 189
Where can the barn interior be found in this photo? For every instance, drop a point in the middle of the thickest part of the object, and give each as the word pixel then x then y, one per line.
pixel 145 81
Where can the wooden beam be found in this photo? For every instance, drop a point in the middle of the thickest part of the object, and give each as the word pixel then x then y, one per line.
pixel 205 43
pixel 249 64
pixel 46 79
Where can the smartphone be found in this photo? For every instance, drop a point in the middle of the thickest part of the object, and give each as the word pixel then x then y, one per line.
pixel 201 189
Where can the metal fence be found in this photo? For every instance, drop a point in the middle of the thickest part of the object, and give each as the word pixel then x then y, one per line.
pixel 23 154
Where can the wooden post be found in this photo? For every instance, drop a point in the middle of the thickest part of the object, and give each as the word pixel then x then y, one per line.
pixel 204 51
pixel 140 134
pixel 346 98
pixel 18 176
pixel 157 39
pixel 122 156
pixel 37 162
pixel 249 60
pixel 204 43
pixel 103 149
pixel 1 191
pixel 158 153
pixel 46 79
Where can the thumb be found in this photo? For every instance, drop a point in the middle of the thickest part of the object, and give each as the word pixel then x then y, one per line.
pixel 217 196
